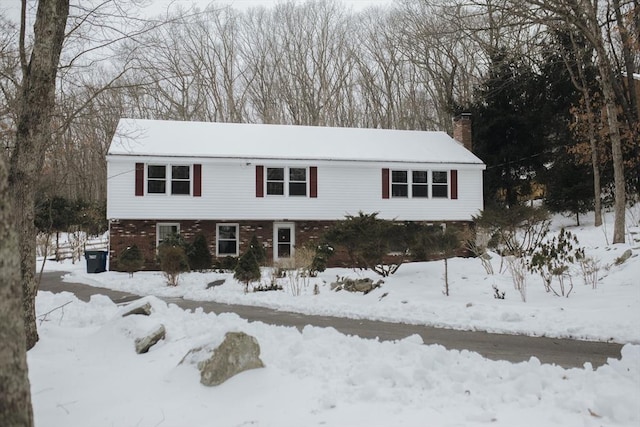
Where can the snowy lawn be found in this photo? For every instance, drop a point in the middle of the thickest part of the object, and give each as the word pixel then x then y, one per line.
pixel 414 294
pixel 84 370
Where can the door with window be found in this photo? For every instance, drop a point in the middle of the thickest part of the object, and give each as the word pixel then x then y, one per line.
pixel 284 240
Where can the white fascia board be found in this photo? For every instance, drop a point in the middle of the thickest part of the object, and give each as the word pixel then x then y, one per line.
pixel 247 161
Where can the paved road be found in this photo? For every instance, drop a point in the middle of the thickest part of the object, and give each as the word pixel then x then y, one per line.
pixel 514 348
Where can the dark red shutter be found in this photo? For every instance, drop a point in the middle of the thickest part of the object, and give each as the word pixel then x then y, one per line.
pixel 197 180
pixel 454 184
pixel 385 183
pixel 139 179
pixel 259 181
pixel 313 181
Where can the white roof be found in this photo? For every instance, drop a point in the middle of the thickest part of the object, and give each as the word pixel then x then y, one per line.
pixel 163 138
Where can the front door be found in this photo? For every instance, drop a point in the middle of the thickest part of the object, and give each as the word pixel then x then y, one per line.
pixel 284 240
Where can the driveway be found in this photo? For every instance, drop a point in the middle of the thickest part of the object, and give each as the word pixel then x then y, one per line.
pixel 513 348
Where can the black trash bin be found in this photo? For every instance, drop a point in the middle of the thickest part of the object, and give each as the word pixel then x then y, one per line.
pixel 96 261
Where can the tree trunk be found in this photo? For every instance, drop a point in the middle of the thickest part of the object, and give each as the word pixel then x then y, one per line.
pixel 33 135
pixel 15 397
pixel 446 277
pixel 620 193
pixel 595 161
pixel 595 164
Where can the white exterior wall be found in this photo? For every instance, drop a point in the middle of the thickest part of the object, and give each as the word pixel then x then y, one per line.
pixel 228 193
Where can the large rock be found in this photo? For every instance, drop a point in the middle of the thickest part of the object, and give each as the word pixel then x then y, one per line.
pixel 145 343
pixel 144 310
pixel 364 285
pixel 237 353
pixel 623 258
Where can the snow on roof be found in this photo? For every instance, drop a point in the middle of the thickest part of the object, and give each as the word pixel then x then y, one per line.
pixel 163 138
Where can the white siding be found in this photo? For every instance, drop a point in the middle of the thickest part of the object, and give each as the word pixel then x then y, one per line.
pixel 228 193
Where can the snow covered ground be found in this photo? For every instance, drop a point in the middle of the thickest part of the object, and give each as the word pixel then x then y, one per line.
pixel 84 371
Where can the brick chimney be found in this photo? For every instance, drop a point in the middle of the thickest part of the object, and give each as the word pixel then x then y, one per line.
pixel 462 130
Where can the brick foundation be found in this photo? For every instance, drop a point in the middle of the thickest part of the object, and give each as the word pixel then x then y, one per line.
pixel 142 233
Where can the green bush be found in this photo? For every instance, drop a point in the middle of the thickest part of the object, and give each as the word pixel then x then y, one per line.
pixel 257 250
pixel 173 262
pixel 516 230
pixel 225 264
pixel 131 260
pixel 322 254
pixel 367 239
pixel 247 270
pixel 200 256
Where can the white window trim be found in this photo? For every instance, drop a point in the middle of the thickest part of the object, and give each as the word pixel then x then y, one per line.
pixel 407 183
pixel 146 179
pixel 431 184
pixel 166 224
pixel 410 183
pixel 422 184
pixel 287 181
pixel 170 167
pixel 168 179
pixel 292 225
pixel 227 224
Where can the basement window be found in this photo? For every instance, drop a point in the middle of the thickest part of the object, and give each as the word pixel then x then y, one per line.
pixel 227 240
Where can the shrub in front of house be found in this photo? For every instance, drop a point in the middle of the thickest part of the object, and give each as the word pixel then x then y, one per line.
pixel 258 251
pixel 322 252
pixel 131 260
pixel 247 270
pixel 200 256
pixel 173 262
pixel 226 264
pixel 368 240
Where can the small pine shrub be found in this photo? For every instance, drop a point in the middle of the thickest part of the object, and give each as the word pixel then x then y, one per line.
pixel 173 262
pixel 322 253
pixel 131 260
pixel 247 270
pixel 200 255
pixel 258 251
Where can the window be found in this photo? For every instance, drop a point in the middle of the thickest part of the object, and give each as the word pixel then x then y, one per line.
pixel 275 181
pixel 294 180
pixel 439 184
pixel 180 181
pixel 227 240
pixel 156 179
pixel 399 184
pixel 164 230
pixel 297 181
pixel 419 184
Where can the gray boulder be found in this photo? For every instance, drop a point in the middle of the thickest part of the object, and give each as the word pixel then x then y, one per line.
pixel 145 343
pixel 215 283
pixel 624 257
pixel 364 285
pixel 237 353
pixel 144 310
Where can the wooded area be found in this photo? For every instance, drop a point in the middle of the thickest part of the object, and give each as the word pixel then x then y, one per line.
pixel 527 70
pixel 552 87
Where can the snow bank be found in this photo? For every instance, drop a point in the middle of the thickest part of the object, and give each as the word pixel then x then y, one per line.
pixel 84 371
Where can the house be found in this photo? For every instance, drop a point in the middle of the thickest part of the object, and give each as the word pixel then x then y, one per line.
pixel 285 184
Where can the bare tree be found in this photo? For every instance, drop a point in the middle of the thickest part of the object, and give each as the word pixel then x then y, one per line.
pixel 35 102
pixel 315 62
pixel 15 393
pixel 588 19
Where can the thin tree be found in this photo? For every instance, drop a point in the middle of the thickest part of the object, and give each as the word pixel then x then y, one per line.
pixel 15 397
pixel 586 18
pixel 35 102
